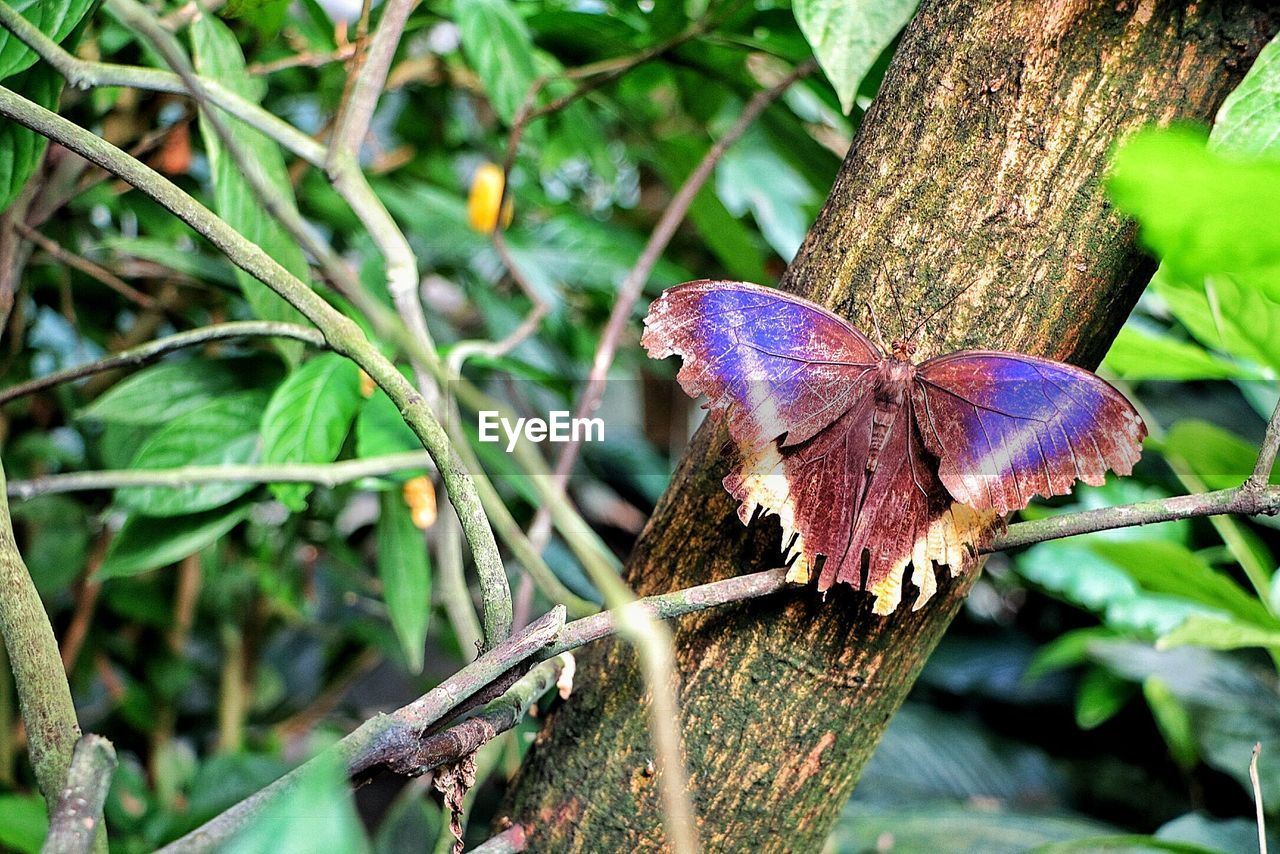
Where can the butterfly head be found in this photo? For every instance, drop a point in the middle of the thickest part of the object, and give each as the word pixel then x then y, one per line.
pixel 903 349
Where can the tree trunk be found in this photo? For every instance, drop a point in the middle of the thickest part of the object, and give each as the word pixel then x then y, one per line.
pixel 978 167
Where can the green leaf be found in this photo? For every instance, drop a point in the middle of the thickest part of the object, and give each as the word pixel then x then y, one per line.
pixel 24 822
pixel 318 808
pixel 732 242
pixel 1138 354
pixel 224 430
pixel 406 576
pixel 1173 721
pixel 848 36
pixel 380 429
pixel 952 828
pixel 21 149
pixel 1221 459
pixel 55 18
pixel 1225 314
pixel 217 55
pixel 1201 212
pixel 1172 569
pixel 57 540
pixel 163 392
pixel 308 418
pixel 1248 123
pixel 497 45
pixel 753 178
pixel 1216 633
pixel 1100 696
pixel 145 542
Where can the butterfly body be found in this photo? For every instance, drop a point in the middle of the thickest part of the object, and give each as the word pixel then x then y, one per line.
pixel 875 464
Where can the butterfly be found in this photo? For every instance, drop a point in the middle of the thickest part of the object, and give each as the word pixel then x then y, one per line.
pixel 874 463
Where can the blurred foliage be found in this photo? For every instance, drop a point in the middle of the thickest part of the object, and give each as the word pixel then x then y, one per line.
pixel 1106 686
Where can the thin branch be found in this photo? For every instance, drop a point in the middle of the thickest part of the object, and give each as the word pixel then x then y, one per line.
pixel 74 823
pixel 357 110
pixel 632 286
pixel 89 268
pixel 84 74
pixel 1241 500
pixel 1267 454
pixel 1257 798
pixel 153 350
pixel 500 715
pixel 342 334
pixel 527 327
pixel 324 474
pixel 385 736
pixel 43 694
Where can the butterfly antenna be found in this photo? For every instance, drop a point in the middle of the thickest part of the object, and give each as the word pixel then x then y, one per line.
pixel 875 324
pixel 946 304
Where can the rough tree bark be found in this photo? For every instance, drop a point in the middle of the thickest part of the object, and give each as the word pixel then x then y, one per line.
pixel 980 165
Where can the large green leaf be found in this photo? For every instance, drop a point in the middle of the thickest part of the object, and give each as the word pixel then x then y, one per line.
pixel 406 576
pixel 224 430
pixel 308 418
pixel 1139 354
pixel 1220 458
pixel 316 812
pixel 145 542
pixel 1248 122
pixel 497 45
pixel 1201 211
pixel 753 178
pixel 1217 633
pixel 55 18
pixel 847 36
pixel 217 55
pixel 1225 314
pixel 163 392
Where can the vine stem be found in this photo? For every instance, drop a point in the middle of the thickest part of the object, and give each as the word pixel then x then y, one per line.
pixel 44 697
pixel 340 332
pixel 153 350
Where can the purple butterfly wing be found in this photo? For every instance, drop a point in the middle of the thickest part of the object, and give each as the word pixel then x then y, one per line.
pixel 1006 427
pixel 770 362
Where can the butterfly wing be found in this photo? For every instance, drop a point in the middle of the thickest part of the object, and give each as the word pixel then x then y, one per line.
pixel 769 362
pixel 1006 427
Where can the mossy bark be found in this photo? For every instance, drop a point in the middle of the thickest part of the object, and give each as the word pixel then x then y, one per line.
pixel 978 167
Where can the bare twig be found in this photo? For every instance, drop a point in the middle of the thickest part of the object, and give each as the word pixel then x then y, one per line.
pixel 83 74
pixel 497 717
pixel 390 735
pixel 357 109
pixel 632 285
pixel 74 822
pixel 153 350
pixel 1257 797
pixel 306 59
pixel 1241 500
pixel 1267 454
pixel 324 474
pixel 89 268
